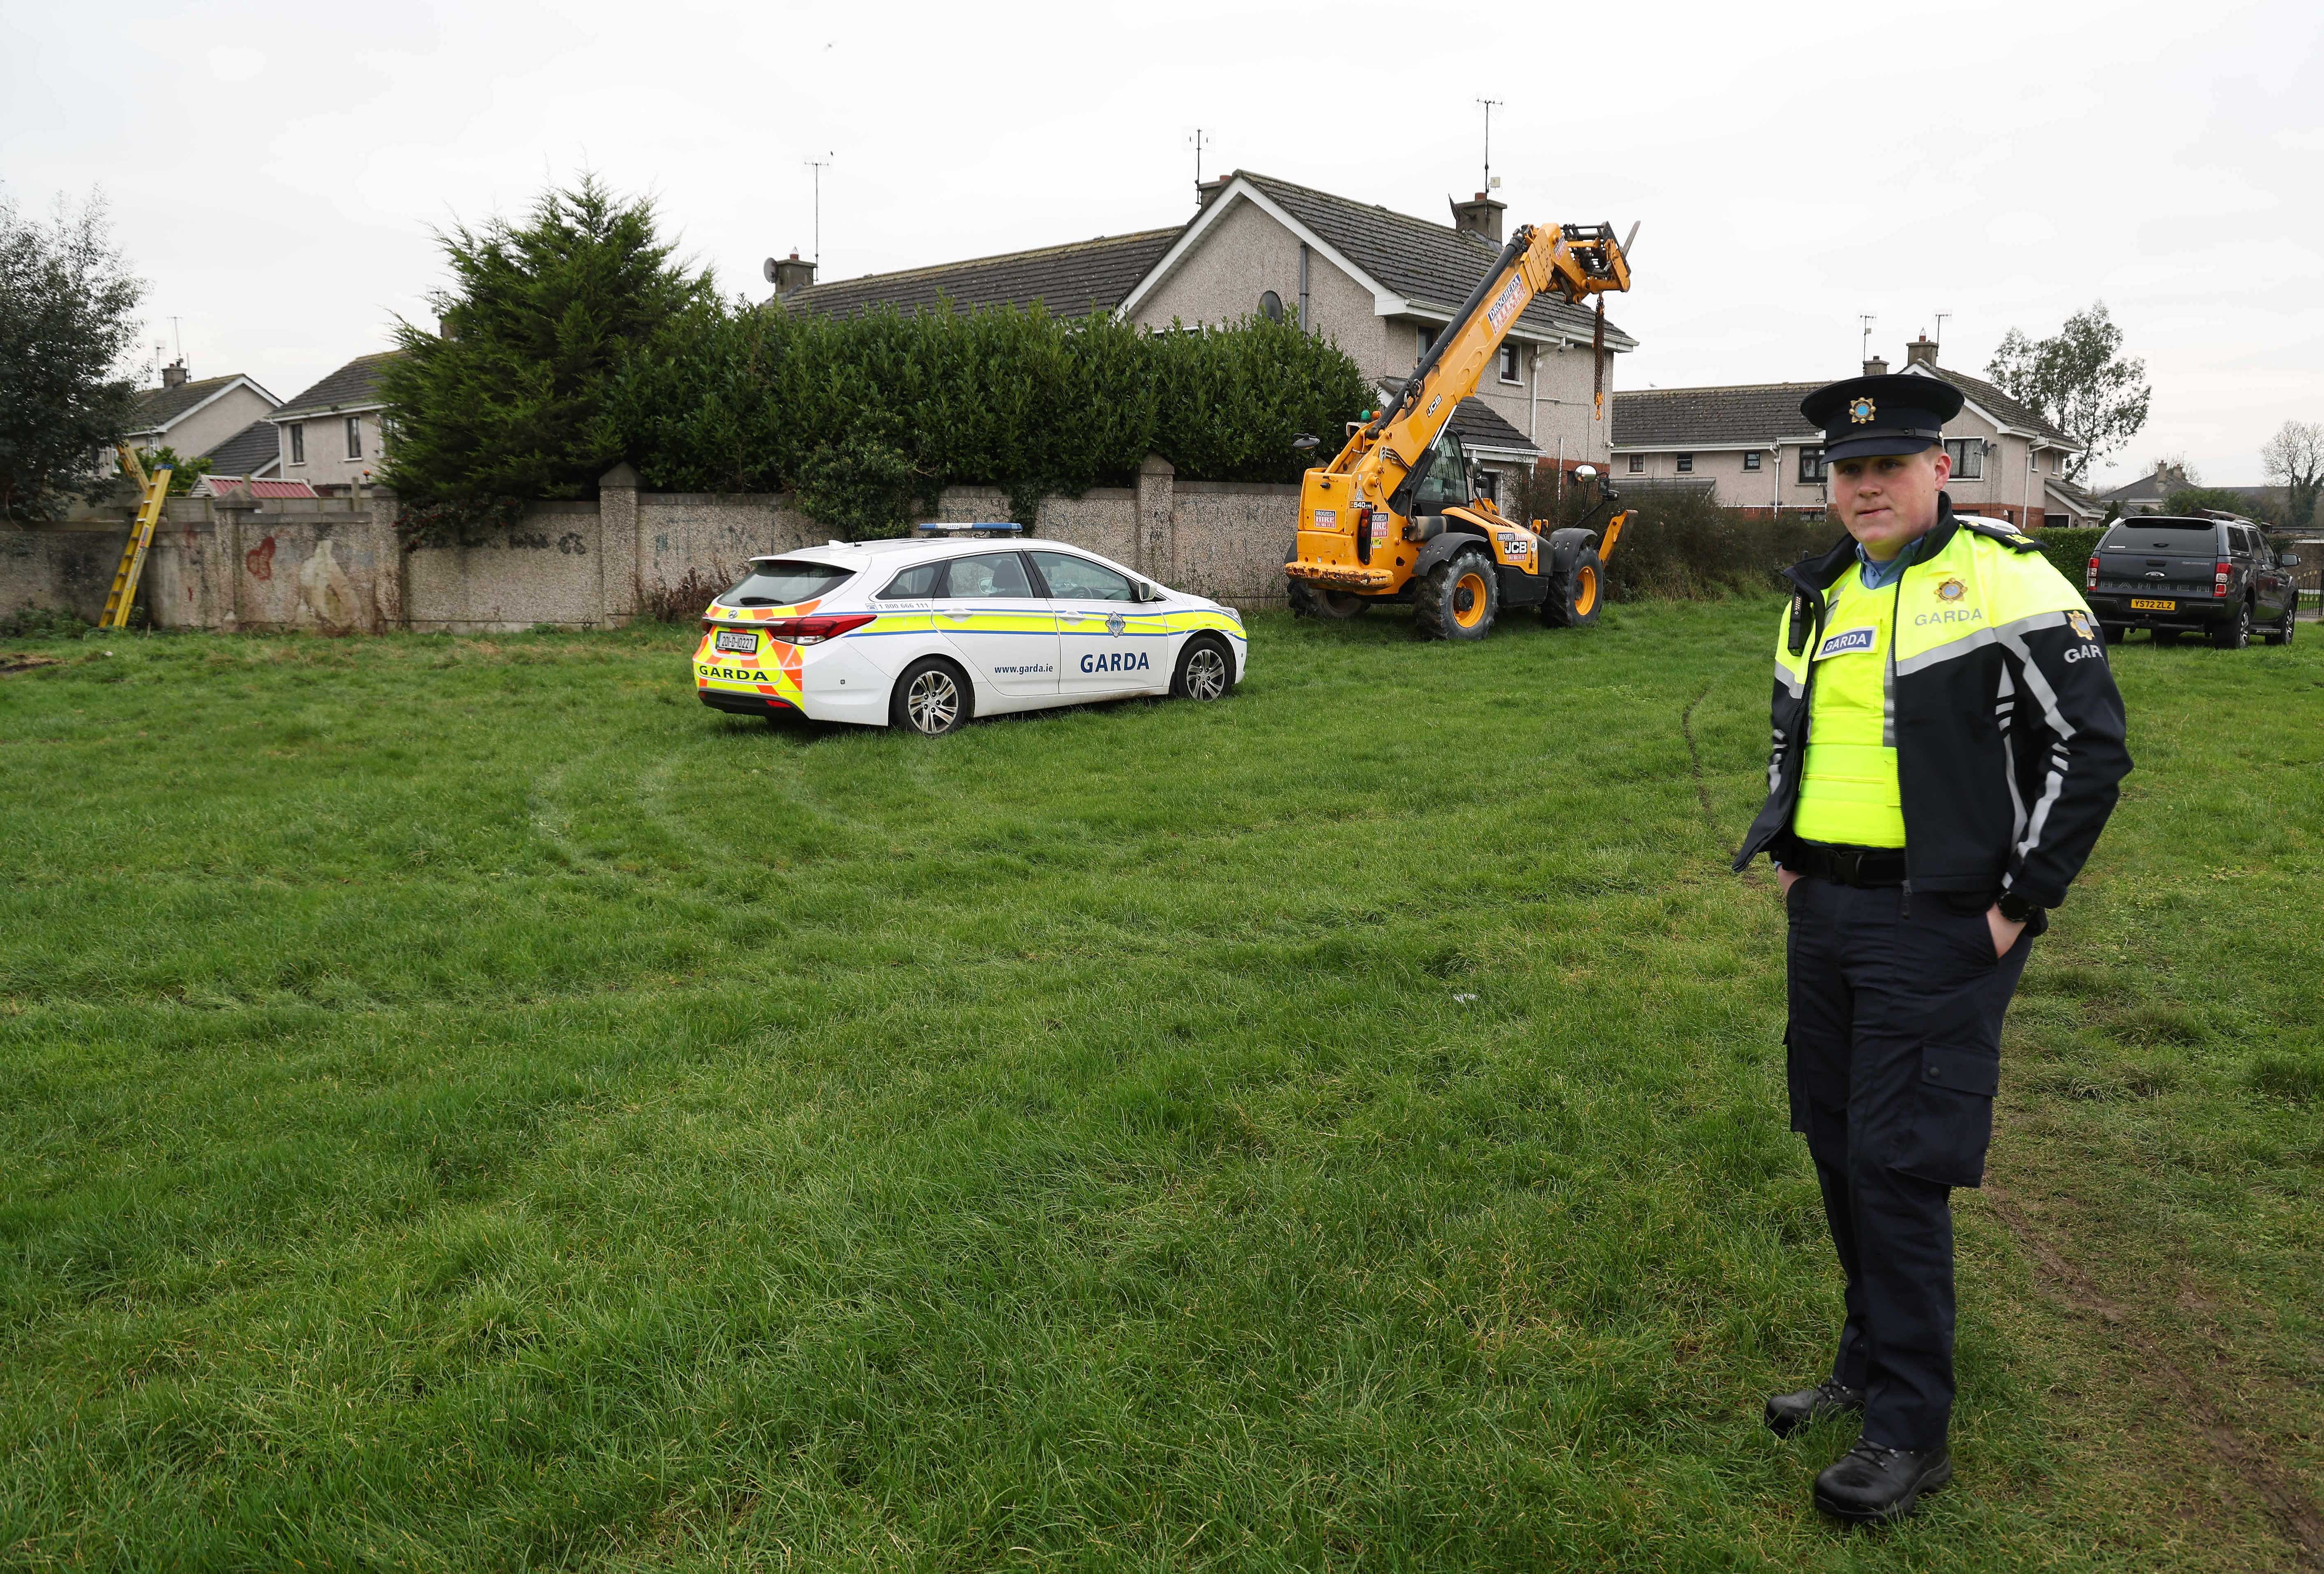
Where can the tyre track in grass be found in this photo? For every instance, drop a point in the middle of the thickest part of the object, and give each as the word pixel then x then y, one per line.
pixel 2279 1494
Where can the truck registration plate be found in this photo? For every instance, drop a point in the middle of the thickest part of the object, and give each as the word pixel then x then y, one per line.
pixel 2138 606
pixel 742 642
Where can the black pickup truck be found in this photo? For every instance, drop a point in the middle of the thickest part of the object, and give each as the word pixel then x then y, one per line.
pixel 2177 575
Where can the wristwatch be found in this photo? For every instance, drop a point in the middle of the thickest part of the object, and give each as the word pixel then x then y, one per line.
pixel 2016 908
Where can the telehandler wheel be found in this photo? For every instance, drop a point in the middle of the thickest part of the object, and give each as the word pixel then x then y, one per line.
pixel 1575 603
pixel 1316 601
pixel 1457 599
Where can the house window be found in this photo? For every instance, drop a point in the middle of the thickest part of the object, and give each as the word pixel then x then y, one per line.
pixel 1810 465
pixel 2033 459
pixel 1686 464
pixel 1638 464
pixel 1969 458
pixel 355 437
pixel 1427 337
pixel 1509 354
pixel 298 430
pixel 1751 461
pixel 1488 486
pixel 1271 306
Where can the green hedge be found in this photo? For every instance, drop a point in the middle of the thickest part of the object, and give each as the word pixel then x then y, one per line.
pixel 869 418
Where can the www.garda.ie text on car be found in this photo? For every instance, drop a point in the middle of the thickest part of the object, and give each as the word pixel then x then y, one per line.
pixel 927 633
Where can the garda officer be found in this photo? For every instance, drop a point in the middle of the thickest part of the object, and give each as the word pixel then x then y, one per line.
pixel 1948 739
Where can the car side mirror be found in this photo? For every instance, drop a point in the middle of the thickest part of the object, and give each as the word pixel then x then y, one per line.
pixel 1585 472
pixel 2289 560
pixel 1149 591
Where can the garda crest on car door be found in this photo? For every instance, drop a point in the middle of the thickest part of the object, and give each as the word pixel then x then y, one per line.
pixel 1108 642
pixel 989 612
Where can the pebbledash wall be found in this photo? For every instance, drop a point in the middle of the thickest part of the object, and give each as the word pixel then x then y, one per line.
pixel 335 565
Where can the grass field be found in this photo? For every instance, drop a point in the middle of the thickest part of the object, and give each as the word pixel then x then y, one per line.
pixel 467 1106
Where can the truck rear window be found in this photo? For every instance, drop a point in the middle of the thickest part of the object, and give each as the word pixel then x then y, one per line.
pixel 2194 536
pixel 786 582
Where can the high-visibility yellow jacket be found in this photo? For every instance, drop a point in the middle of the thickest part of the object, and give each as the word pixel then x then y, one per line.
pixel 1998 699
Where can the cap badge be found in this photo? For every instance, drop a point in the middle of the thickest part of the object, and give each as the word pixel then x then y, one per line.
pixel 1860 411
pixel 1951 590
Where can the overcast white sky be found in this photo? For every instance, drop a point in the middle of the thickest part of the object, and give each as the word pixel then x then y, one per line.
pixel 276 170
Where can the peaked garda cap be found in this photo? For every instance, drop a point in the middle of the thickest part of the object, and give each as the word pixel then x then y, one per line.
pixel 1895 414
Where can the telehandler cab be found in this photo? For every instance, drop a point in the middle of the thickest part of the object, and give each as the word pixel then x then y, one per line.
pixel 1396 516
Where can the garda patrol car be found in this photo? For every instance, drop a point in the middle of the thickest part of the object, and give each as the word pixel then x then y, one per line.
pixel 962 622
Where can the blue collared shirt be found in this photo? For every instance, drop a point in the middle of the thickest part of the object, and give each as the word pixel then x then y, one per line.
pixel 1879 575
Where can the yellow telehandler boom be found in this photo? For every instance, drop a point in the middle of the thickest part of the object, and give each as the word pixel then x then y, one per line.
pixel 1395 515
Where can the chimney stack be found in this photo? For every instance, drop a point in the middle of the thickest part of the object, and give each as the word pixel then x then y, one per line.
pixel 173 375
pixel 1208 190
pixel 1481 214
pixel 790 274
pixel 1876 367
pixel 1922 352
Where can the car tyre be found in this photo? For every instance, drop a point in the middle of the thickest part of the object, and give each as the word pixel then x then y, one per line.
pixel 2234 633
pixel 2279 633
pixel 1205 671
pixel 932 698
pixel 1459 599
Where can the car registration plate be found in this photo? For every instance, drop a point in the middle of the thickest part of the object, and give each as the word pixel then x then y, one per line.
pixel 742 642
pixel 2138 606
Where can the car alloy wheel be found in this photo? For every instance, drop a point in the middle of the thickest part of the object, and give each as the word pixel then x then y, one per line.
pixel 932 698
pixel 1206 672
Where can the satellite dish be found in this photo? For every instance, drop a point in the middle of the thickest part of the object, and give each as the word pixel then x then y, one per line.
pixel 767 271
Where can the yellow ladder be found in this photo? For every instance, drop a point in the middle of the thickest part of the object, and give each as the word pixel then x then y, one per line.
pixel 141 536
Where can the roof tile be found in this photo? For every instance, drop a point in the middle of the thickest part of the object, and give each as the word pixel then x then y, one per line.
pixel 1070 281
pixel 356 385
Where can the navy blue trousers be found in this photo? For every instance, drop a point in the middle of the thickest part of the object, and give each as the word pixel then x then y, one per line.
pixel 1894 1055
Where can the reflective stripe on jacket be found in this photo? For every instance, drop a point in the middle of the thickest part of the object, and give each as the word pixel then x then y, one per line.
pixel 2008 725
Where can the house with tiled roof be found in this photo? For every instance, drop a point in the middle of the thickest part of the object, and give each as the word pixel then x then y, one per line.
pixel 331 436
pixel 1379 283
pixel 253 453
pixel 191 415
pixel 1752 449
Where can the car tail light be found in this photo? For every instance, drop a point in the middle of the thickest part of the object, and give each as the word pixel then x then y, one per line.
pixel 2090 579
pixel 707 625
pixel 814 630
pixel 2219 579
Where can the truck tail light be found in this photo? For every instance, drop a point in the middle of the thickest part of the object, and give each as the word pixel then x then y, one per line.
pixel 2090 579
pixel 814 630
pixel 2219 579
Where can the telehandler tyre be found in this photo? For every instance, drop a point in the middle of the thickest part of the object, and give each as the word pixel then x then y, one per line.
pixel 1317 601
pixel 1576 602
pixel 1457 599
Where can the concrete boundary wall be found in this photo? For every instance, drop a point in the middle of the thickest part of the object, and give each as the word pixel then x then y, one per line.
pixel 335 565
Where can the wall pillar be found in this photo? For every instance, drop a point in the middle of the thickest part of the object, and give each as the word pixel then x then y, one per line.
pixel 224 570
pixel 1157 519
pixel 619 567
pixel 387 558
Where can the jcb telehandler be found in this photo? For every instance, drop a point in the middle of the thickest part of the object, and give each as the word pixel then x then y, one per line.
pixel 1396 516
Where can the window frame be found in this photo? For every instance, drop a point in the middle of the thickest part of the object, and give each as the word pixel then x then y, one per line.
pixel 1813 471
pixel 1513 357
pixel 1638 464
pixel 298 430
pixel 1961 449
pixel 1751 462
pixel 355 437
pixel 934 592
pixel 1684 464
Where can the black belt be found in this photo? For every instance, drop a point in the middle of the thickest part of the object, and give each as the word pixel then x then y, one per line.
pixel 1861 866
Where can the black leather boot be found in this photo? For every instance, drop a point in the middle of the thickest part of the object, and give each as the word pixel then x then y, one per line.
pixel 1873 1483
pixel 1788 1413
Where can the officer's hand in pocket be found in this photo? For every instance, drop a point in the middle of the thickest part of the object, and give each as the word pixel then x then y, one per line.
pixel 1785 880
pixel 2005 932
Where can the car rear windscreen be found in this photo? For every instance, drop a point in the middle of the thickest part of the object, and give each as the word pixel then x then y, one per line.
pixel 786 582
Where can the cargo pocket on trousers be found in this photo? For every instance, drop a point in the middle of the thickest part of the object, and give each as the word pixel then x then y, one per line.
pixel 1951 1123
